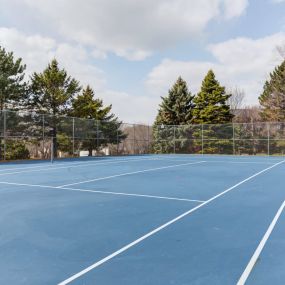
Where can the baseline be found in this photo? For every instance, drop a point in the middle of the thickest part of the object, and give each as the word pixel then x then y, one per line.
pixel 79 165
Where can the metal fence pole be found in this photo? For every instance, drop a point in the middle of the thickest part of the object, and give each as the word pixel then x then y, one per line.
pixel 4 134
pixel 268 139
pixel 43 137
pixel 148 140
pixel 97 136
pixel 202 138
pixel 134 141
pixel 117 141
pixel 52 151
pixel 234 148
pixel 73 137
pixel 174 140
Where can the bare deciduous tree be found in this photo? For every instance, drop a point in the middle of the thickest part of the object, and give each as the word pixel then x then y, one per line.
pixel 281 50
pixel 236 101
pixel 248 114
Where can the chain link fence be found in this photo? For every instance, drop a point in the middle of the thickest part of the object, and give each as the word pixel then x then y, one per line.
pixel 29 135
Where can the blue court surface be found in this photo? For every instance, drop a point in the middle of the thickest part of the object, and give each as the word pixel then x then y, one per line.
pixel 143 220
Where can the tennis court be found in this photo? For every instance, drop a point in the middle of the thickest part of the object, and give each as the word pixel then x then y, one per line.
pixel 153 219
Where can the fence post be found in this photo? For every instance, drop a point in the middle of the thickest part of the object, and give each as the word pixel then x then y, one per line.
pixel 134 141
pixel 234 148
pixel 97 137
pixel 202 138
pixel 148 140
pixel 4 134
pixel 52 151
pixel 174 140
pixel 43 137
pixel 73 137
pixel 268 139
pixel 117 141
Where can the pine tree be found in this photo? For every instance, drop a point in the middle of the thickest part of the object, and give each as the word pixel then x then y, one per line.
pixel 272 99
pixel 105 127
pixel 52 92
pixel 13 88
pixel 12 85
pixel 211 102
pixel 211 108
pixel 175 109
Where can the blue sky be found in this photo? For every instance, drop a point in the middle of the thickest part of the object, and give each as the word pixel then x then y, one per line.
pixel 131 52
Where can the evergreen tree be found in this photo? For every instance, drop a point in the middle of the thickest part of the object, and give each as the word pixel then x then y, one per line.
pixel 52 92
pixel 211 102
pixel 12 85
pixel 211 107
pixel 272 99
pixel 13 88
pixel 175 109
pixel 105 127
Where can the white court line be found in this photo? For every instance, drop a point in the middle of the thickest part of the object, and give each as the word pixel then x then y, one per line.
pixel 130 173
pixel 221 161
pixel 260 247
pixel 73 164
pixel 80 162
pixel 79 165
pixel 126 247
pixel 242 162
pixel 89 162
pixel 105 192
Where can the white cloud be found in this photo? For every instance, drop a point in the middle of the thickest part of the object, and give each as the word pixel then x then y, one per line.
pixel 239 62
pixel 128 28
pixel 36 51
pixel 234 8
pixel 98 54
pixel 130 108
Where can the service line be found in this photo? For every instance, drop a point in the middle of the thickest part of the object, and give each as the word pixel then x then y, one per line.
pixel 104 192
pixel 130 173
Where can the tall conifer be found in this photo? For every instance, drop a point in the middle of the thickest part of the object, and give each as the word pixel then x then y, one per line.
pixel 272 99
pixel 211 102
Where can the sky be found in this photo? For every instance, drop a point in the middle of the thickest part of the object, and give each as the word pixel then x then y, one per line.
pixel 132 51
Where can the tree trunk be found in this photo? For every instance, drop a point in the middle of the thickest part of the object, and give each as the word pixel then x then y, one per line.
pixel 90 152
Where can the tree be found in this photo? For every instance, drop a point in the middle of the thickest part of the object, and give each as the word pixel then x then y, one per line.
pixel 52 92
pixel 211 102
pixel 281 51
pixel 12 85
pixel 16 150
pixel 272 99
pixel 175 109
pixel 211 107
pixel 248 114
pixel 236 100
pixel 103 127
